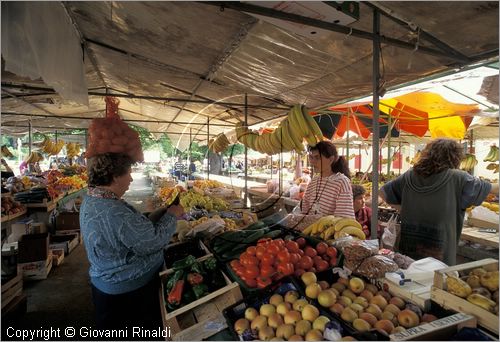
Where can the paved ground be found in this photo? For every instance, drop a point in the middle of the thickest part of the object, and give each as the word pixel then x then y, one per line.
pixel 64 299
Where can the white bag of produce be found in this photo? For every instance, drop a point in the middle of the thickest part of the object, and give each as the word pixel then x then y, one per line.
pixel 212 225
pixel 485 214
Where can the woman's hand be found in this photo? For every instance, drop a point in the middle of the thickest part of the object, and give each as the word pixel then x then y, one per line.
pixel 176 210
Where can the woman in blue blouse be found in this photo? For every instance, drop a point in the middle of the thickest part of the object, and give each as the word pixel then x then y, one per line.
pixel 124 247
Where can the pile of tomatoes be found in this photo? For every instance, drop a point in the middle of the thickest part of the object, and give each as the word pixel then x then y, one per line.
pixel 271 260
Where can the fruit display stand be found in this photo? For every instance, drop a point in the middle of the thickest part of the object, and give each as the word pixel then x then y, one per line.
pixel 416 291
pixel 201 318
pixel 441 296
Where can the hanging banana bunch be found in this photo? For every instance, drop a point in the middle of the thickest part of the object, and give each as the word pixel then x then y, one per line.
pixel 493 155
pixel 290 134
pixel 72 150
pixel 416 158
pixel 468 163
pixel 219 144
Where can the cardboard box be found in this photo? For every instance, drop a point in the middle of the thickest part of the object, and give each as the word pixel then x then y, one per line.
pixel 20 228
pixel 33 247
pixel 68 221
pixel 37 270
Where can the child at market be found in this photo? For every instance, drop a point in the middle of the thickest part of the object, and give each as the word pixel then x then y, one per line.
pixel 362 212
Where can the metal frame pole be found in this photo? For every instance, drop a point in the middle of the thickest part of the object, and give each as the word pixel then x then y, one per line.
pixel 389 148
pixel 30 132
pixel 245 198
pixel 376 113
pixel 208 150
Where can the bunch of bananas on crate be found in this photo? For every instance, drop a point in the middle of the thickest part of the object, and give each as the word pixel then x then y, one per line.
pixel 289 135
pixel 5 152
pixel 468 163
pixel 330 228
pixel 51 148
pixel 219 143
pixel 72 149
pixel 415 158
pixel 207 184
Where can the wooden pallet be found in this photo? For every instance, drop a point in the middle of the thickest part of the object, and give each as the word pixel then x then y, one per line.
pixel 202 318
pixel 12 289
pixel 452 302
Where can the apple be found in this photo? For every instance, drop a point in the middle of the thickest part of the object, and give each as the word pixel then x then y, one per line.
pixel 408 318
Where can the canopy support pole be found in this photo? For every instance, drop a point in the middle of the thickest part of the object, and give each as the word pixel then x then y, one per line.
pixel 347 142
pixel 375 123
pixel 245 198
pixel 389 147
pixel 208 149
pixel 30 132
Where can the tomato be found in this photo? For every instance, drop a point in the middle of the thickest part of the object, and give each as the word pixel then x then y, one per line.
pixel 292 246
pixel 313 270
pixel 283 256
pixel 263 241
pixel 325 257
pixel 301 252
pixel 322 265
pixel 310 251
pixel 249 260
pixel 263 282
pixel 252 272
pixel 260 251
pixel 279 242
pixel 299 272
pixel 285 268
pixel 333 262
pixel 251 250
pixel 331 252
pixel 317 259
pixel 234 263
pixel 243 255
pixel 250 282
pixel 239 270
pixel 267 270
pixel 321 247
pixel 273 249
pixel 267 259
pixel 305 262
pixel 301 242
pixel 294 258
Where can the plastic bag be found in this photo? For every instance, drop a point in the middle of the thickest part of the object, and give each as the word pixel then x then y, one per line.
pixel 390 235
pixel 294 192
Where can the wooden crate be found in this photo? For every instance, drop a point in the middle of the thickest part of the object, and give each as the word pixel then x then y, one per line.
pixel 202 318
pixel 452 302
pixel 474 222
pixel 417 292
pixel 57 256
pixel 37 270
pixel 438 330
pixel 12 288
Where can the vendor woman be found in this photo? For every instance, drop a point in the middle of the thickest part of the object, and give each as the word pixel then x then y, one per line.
pixel 329 192
pixel 124 247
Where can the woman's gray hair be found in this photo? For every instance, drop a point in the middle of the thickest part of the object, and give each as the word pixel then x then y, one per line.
pixel 103 168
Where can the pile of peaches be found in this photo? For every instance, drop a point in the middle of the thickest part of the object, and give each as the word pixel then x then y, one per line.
pixel 363 305
pixel 287 317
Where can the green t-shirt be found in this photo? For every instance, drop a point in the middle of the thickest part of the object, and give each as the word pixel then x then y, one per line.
pixel 432 211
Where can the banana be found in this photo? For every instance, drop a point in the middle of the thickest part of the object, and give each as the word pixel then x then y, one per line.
pixel 354 231
pixel 313 125
pixel 294 140
pixel 298 131
pixel 309 229
pixel 482 301
pixel 492 154
pixel 344 222
pixel 328 233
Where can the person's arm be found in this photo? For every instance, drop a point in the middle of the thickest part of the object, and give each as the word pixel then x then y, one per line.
pixel 475 191
pixel 494 188
pixel 382 195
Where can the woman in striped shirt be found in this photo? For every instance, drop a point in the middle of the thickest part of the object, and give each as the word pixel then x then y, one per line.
pixel 330 192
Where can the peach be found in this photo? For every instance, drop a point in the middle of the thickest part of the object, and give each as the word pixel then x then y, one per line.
pixel 398 329
pixel 369 318
pixel 337 308
pixel 324 284
pixel 385 294
pixel 392 308
pixel 374 310
pixel 292 317
pixel 380 301
pixel 399 302
pixel 384 325
pixel 408 318
pixel 426 318
pixel 284 331
pixel 339 287
pixel 295 338
pixel 361 325
pixel 314 335
pixel 366 294
pixel 349 294
pixel 348 315
pixel 357 285
pixel 372 288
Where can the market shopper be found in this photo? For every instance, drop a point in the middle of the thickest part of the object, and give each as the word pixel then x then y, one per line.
pixel 329 192
pixel 124 247
pixel 361 211
pixel 432 198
